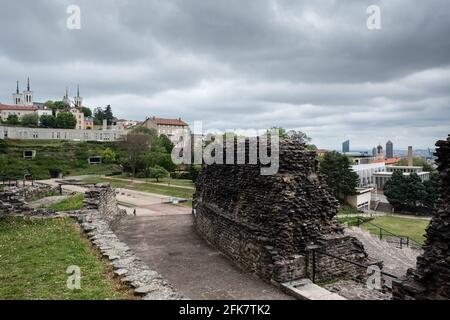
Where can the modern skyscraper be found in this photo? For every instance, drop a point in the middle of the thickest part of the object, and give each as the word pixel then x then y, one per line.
pixel 374 152
pixel 346 146
pixel 389 149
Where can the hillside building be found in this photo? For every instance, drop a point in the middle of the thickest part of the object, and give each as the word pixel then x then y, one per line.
pixel 174 129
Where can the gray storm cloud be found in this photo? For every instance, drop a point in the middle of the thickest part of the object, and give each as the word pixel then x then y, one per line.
pixel 307 65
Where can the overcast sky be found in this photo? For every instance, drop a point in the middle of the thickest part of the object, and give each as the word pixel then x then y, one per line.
pixel 243 64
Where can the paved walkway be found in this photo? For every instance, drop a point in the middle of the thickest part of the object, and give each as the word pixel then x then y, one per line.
pixel 145 204
pixel 170 245
pixel 148 182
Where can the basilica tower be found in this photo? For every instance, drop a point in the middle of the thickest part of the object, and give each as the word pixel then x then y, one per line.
pixel 18 97
pixel 28 95
pixel 78 100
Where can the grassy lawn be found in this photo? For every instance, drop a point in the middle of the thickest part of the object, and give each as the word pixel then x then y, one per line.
pixel 346 209
pixel 172 191
pixel 35 255
pixel 72 203
pixel 165 190
pixel 164 181
pixel 353 221
pixel 407 227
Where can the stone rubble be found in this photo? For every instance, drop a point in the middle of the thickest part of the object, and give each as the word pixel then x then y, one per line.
pixel 14 200
pixel 430 280
pixel 353 290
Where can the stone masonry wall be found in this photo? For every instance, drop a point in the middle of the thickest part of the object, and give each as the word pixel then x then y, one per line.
pixel 431 278
pixel 13 200
pixel 102 197
pixel 266 223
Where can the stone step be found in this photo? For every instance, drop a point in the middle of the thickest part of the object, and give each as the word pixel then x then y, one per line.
pixel 305 289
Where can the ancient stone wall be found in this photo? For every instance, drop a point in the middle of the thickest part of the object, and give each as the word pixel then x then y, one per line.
pixel 266 223
pixel 102 198
pixel 14 199
pixel 431 278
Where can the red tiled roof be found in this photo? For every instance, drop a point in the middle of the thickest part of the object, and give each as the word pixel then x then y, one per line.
pixel 387 161
pixel 168 122
pixel 16 108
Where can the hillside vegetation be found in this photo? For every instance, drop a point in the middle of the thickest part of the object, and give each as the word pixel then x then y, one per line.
pixel 52 158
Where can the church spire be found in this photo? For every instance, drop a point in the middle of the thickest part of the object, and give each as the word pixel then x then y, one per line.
pixel 17 90
pixel 78 90
pixel 28 83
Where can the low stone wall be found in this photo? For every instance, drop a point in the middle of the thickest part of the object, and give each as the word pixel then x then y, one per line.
pixel 98 219
pixel 431 278
pixel 328 267
pixel 266 223
pixel 14 200
pixel 132 271
pixel 102 198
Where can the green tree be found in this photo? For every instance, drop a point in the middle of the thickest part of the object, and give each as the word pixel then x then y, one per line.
pixel 151 133
pixel 165 142
pixel 86 111
pixel 415 191
pixel 98 116
pixel 56 106
pixel 395 190
pixel 431 189
pixel 47 121
pixel 108 114
pixel 13 120
pixel 281 132
pixel 108 155
pixel 65 120
pixel 135 146
pixel 30 120
pixel 409 193
pixel 341 179
pixel 157 158
pixel 299 136
pixel 158 172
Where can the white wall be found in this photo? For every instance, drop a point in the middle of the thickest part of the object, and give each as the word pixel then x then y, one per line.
pixel 22 133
